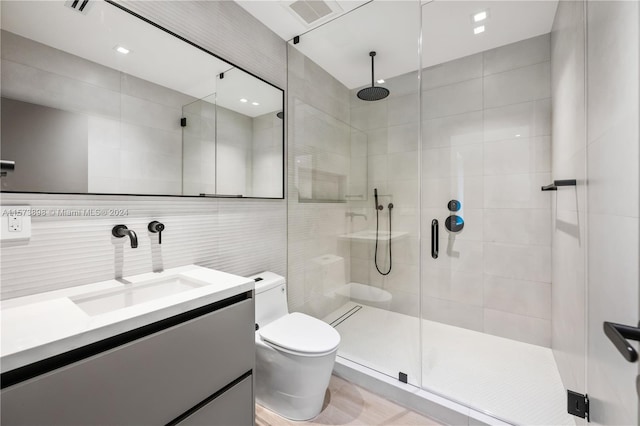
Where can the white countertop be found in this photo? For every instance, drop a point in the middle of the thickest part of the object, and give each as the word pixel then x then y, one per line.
pixel 39 326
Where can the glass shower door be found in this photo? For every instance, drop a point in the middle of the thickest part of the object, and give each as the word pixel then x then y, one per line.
pixel 354 256
pixel 486 139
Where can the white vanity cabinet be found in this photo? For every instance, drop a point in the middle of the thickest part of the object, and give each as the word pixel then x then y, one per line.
pixel 194 368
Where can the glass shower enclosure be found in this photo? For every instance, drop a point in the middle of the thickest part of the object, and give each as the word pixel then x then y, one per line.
pixel 353 196
pixel 417 223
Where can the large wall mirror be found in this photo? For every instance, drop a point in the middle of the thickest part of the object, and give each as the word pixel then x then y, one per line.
pixel 100 101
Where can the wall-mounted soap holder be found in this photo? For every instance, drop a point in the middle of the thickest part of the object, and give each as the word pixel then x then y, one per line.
pixel 556 183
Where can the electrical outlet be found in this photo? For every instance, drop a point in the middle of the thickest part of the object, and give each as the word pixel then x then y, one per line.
pixel 15 223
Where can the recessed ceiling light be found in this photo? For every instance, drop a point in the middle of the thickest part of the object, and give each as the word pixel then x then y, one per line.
pixel 380 81
pixel 255 103
pixel 518 135
pixel 478 30
pixel 121 49
pixel 243 100
pixel 480 16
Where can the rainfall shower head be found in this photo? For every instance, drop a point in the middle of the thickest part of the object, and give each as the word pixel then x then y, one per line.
pixel 373 93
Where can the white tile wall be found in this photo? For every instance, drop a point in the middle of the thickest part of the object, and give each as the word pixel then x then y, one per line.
pixel 453 313
pixel 65 251
pixel 462 129
pixel 509 87
pixel 487 142
pixel 526 119
pixel 467 68
pixel 527 52
pixel 529 298
pixel 452 99
pixel 518 327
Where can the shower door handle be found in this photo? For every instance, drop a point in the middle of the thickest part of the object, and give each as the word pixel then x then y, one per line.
pixel 434 238
pixel 618 334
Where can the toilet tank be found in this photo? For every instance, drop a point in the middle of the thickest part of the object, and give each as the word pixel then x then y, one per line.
pixel 270 297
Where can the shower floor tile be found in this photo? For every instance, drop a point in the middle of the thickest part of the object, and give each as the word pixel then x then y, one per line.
pixel 513 381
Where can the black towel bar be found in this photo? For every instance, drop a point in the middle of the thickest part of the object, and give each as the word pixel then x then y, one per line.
pixel 556 183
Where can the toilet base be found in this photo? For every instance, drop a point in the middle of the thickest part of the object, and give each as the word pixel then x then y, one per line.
pixel 293 407
pixel 291 386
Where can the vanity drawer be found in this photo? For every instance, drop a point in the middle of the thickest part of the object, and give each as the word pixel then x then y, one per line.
pixel 149 381
pixel 235 407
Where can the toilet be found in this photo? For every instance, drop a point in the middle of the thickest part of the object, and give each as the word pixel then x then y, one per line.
pixel 295 353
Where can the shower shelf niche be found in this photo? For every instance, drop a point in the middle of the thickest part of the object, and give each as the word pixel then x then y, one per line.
pixel 318 186
pixel 370 235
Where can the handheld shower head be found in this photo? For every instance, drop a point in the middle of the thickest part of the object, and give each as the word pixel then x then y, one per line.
pixel 375 196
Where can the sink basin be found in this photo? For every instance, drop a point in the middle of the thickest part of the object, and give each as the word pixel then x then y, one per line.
pixel 135 293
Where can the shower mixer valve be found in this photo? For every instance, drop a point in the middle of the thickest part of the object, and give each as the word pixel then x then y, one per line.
pixel 454 223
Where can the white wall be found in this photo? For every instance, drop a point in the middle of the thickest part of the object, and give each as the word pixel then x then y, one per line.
pixel 234 149
pixel 238 236
pixel 267 155
pixel 613 152
pixel 486 142
pixel 199 148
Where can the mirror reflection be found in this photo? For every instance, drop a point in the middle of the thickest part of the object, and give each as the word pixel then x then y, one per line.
pixel 105 115
pixel 242 126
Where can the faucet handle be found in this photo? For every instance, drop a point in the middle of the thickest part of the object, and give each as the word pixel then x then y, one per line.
pixel 156 227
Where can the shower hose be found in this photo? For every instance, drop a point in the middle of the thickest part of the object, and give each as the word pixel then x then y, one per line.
pixel 375 256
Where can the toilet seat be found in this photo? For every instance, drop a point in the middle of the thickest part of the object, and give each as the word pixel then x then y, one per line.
pixel 300 334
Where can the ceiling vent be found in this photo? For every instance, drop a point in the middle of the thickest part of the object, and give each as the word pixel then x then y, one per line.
pixel 312 12
pixel 81 6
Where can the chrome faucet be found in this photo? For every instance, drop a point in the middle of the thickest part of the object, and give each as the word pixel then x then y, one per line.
pixel 352 215
pixel 120 231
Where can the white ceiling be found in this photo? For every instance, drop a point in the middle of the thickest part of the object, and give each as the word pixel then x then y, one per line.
pixel 276 15
pixel 392 29
pixel 155 55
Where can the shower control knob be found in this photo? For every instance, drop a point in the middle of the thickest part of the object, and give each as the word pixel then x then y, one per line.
pixel 454 205
pixel 454 223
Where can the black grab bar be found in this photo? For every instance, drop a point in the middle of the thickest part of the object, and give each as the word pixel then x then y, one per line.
pixel 618 334
pixel 434 238
pixel 556 183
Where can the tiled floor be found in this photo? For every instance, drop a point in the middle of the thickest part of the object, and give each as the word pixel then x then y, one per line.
pixel 347 404
pixel 510 380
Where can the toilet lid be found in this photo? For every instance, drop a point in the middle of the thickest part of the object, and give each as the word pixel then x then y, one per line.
pixel 301 333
